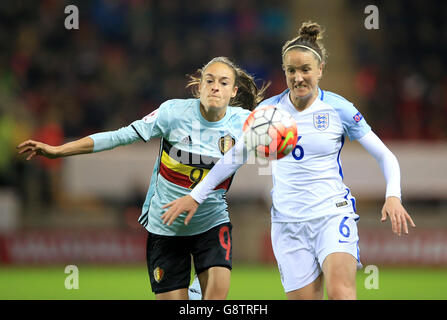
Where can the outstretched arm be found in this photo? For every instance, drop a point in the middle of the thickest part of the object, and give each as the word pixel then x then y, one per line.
pixel 33 148
pixel 224 168
pixel 390 167
pixel 93 143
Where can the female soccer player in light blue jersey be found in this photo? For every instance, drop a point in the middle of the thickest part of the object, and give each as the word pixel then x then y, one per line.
pixel 314 220
pixel 195 133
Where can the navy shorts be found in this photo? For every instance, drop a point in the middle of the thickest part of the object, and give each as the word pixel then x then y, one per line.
pixel 169 257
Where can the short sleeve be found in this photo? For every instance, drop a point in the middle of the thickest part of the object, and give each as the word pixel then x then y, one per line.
pixel 354 124
pixel 155 124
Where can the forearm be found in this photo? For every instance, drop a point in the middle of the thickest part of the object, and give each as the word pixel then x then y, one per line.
pixel 224 168
pixel 81 146
pixel 387 161
pixel 111 139
pixel 99 142
pixel 391 170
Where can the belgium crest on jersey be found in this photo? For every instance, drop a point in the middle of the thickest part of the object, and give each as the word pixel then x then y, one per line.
pixel 158 274
pixel 321 121
pixel 226 143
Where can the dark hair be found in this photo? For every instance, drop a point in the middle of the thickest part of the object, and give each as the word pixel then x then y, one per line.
pixel 309 35
pixel 248 95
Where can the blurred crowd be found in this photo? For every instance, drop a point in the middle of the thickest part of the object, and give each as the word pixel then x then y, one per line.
pixel 402 77
pixel 128 56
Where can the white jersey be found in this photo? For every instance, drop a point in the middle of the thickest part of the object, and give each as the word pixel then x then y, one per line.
pixel 308 183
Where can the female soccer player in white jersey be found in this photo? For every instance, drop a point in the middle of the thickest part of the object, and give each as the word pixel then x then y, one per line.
pixel 194 134
pixel 314 220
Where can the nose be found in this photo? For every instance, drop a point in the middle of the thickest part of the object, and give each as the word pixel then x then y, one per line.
pixel 215 86
pixel 298 77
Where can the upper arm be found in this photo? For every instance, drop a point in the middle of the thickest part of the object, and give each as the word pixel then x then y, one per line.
pixel 354 124
pixel 372 143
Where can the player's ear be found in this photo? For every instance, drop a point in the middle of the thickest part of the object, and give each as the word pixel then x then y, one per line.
pixel 233 94
pixel 199 86
pixel 320 71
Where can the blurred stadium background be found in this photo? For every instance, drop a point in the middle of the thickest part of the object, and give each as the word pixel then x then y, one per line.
pixel 128 56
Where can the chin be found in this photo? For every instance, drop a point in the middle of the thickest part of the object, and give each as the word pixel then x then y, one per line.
pixel 214 105
pixel 302 95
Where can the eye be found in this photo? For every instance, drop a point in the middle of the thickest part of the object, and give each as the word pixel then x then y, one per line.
pixel 291 70
pixel 209 81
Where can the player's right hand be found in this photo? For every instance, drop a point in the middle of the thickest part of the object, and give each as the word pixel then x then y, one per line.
pixel 33 148
pixel 177 207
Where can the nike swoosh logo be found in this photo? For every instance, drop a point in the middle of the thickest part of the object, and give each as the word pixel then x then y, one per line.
pixel 341 241
pixel 288 137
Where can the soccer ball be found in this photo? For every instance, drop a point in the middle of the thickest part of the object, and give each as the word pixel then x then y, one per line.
pixel 270 133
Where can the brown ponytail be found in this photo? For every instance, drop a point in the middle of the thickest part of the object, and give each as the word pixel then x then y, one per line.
pixel 248 95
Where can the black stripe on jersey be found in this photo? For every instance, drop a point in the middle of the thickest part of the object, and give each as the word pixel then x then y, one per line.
pixel 138 133
pixel 143 217
pixel 188 158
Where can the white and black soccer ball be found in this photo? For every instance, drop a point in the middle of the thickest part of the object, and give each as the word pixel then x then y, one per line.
pixel 270 132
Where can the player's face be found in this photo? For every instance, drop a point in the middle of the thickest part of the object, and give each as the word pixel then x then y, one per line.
pixel 217 86
pixel 303 72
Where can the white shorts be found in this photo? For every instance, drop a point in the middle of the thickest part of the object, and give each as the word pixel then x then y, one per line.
pixel 301 247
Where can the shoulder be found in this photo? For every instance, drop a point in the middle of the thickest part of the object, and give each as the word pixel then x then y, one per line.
pixel 274 100
pixel 335 100
pixel 351 119
pixel 178 104
pixel 238 112
pixel 345 108
pixel 175 108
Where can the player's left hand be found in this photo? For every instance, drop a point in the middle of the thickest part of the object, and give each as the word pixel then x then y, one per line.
pixel 177 207
pixel 398 215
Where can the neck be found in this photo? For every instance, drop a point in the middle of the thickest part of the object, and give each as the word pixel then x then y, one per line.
pixel 212 114
pixel 303 103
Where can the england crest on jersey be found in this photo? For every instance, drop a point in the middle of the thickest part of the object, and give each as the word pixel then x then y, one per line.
pixel 321 121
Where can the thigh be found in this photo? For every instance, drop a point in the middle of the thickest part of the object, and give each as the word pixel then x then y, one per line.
pixel 168 262
pixel 297 263
pixel 213 248
pixel 313 291
pixel 339 269
pixel 215 283
pixel 179 294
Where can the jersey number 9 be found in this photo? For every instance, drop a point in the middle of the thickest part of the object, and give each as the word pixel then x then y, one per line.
pixel 195 176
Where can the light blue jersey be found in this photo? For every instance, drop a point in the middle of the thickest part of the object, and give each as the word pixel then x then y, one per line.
pixel 308 182
pixel 190 146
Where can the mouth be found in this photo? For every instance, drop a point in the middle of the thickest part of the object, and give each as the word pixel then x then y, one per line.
pixel 299 86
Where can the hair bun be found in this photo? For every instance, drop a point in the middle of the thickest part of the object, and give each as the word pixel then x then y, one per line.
pixel 310 31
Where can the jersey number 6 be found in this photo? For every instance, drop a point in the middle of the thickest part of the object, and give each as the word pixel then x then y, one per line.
pixel 298 151
pixel 343 228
